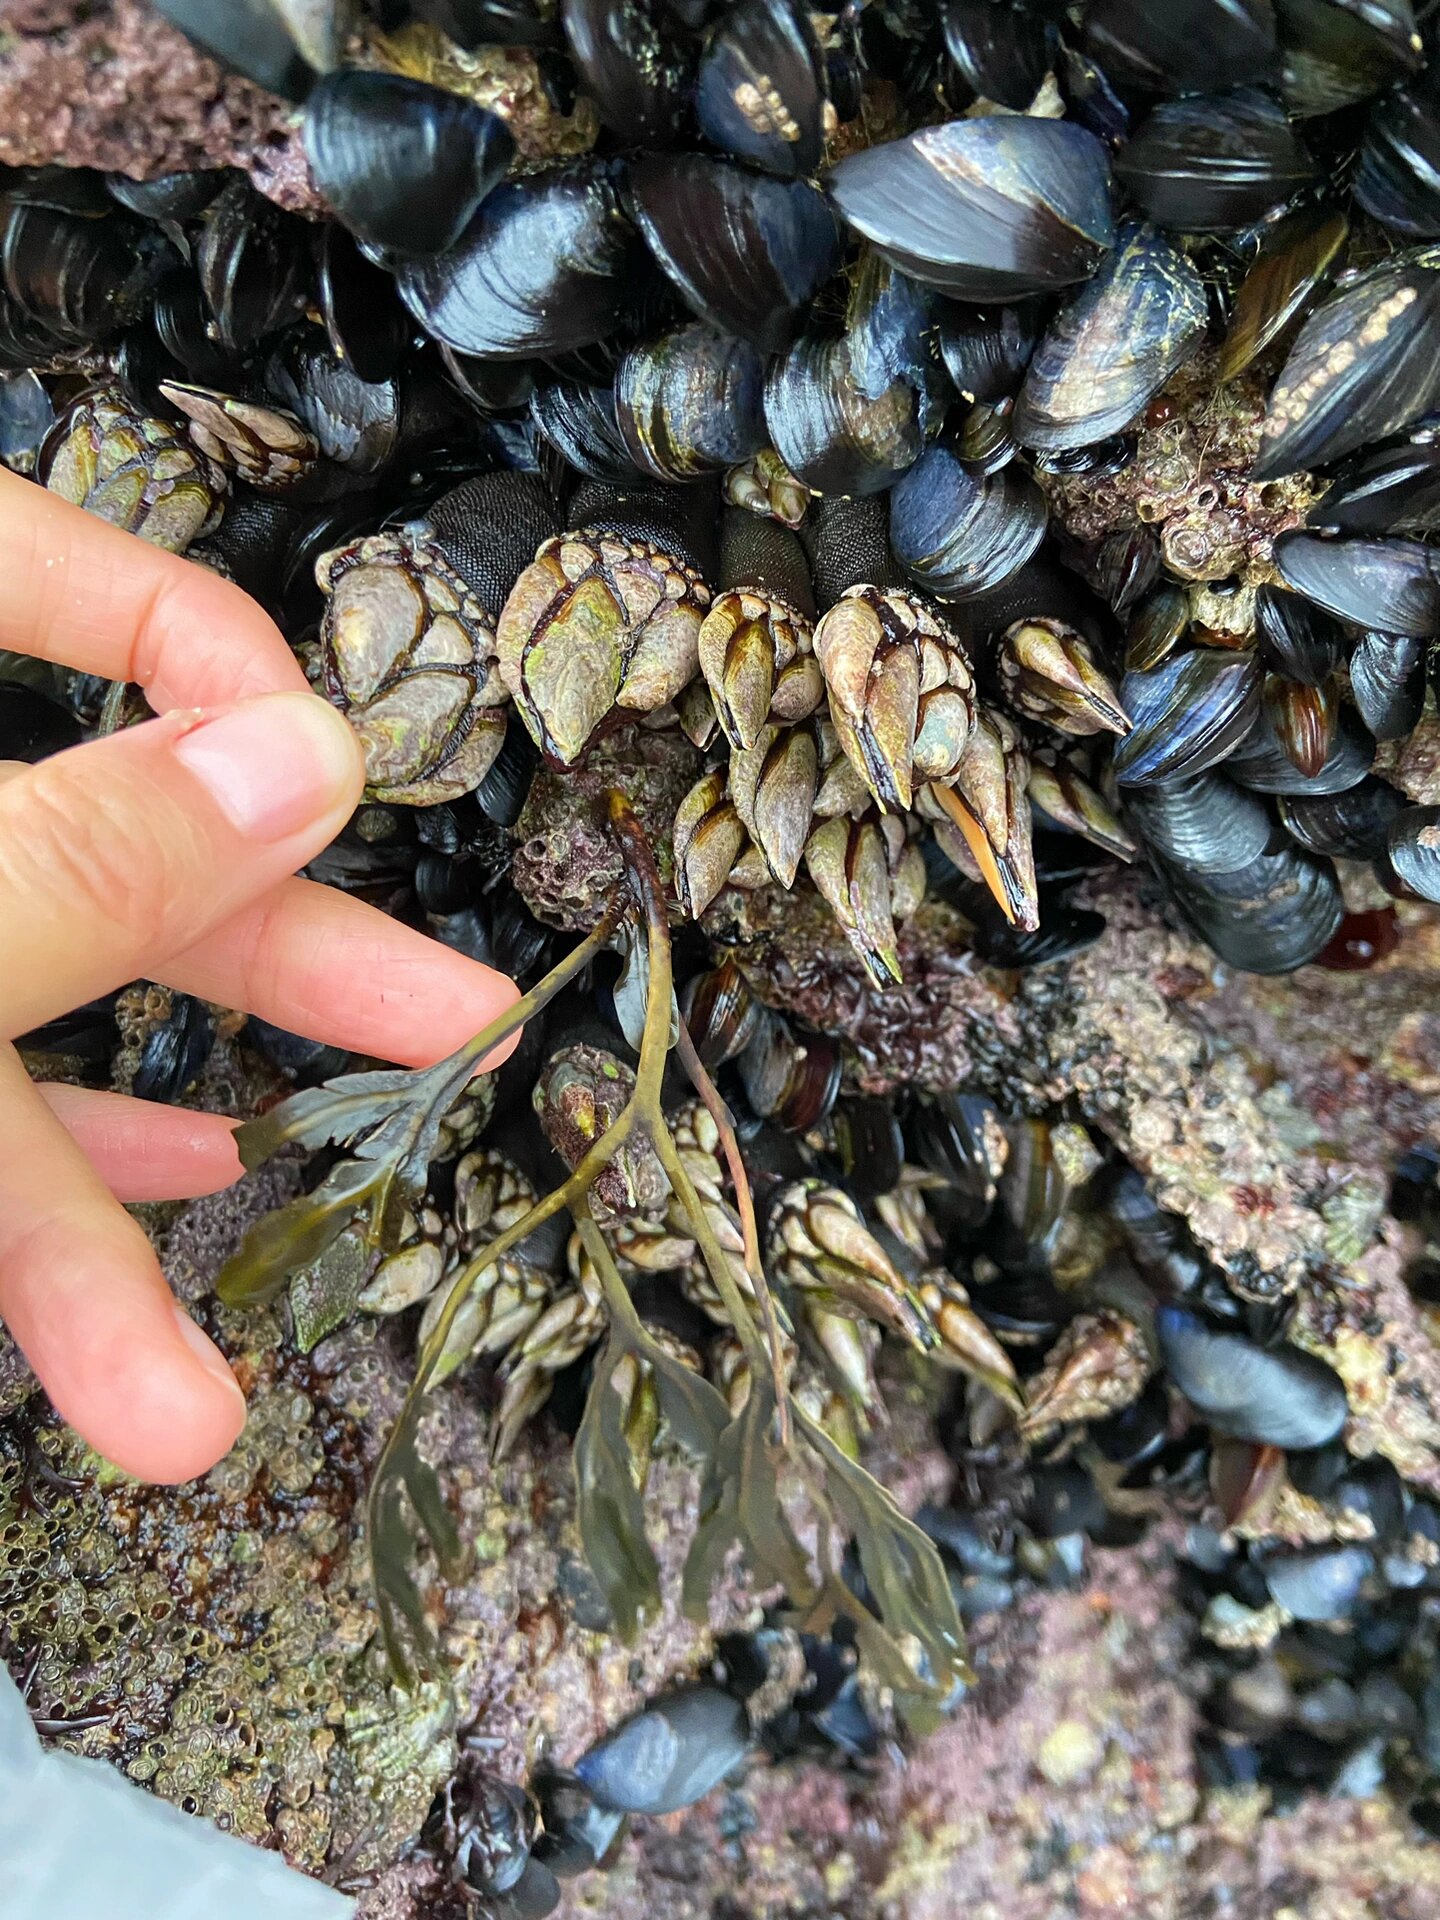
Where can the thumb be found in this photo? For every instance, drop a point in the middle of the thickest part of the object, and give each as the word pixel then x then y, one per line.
pixel 117 854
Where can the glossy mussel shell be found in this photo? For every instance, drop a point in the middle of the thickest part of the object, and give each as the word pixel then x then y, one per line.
pixel 547 263
pixel 959 533
pixel 1188 714
pixel 1389 584
pixel 987 209
pixel 1182 46
pixel 403 165
pixel 1107 354
pixel 1276 1396
pixel 761 87
pixel 1211 163
pixel 690 401
pixel 744 250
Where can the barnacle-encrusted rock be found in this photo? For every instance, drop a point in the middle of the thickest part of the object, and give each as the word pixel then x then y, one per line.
pixel 566 866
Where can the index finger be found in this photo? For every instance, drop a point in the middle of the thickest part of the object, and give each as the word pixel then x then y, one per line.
pixel 84 594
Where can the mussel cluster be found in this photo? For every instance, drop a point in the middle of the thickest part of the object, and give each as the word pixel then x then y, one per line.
pixel 913 446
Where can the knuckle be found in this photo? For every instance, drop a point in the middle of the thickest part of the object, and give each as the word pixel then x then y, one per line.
pixel 106 853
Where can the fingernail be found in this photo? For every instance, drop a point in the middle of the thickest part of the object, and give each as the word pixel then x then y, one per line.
pixel 275 764
pixel 206 1352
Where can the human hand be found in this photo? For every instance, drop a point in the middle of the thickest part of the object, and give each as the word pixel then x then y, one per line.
pixel 167 852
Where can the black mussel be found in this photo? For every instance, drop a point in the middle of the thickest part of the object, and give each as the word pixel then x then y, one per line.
pixel 1205 823
pixel 1297 638
pixel 1334 52
pixel 722 1014
pixel 1351 825
pixel 761 87
pixel 548 262
pixel 403 165
pixel 501 795
pixel 1091 99
pixel 80 277
pixel 579 422
pixel 982 438
pixel 1364 365
pixel 746 251
pixel 26 416
pixel 1276 1396
pixel 1271 916
pixel 1105 356
pixel 1392 489
pixel 1262 762
pixel 64 189
pixel 491 387
pixel 184 327
pixel 1063 1499
pixel 1211 163
pixel 174 1052
pixel 577 1833
pixel 669 1754
pixel 790 1080
pixel 32 725
pixel 1187 714
pixel 1319 1583
pixel 960 1137
pixel 690 401
pixel 1299 254
pixel 1398 179
pixel 364 321
pixel 840 425
pixel 248 35
pixel 988 209
pixel 1156 627
pixel 170 196
pixel 484 23
pixel 870 1147
pixel 959 533
pixel 26 342
pixel 1184 46
pixel 1387 683
pixel 1002 52
pixel 251 260
pixel 1386 584
pixel 1414 845
pixel 297 1056
pixel 635 61
pixel 987 349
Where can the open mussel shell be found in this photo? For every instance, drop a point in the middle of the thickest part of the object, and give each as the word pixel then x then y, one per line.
pixel 1205 823
pixel 1352 825
pixel 1393 489
pixel 403 165
pixel 1188 714
pixel 958 532
pixel 1298 256
pixel 1334 52
pixel 1183 46
pixel 547 263
pixel 987 349
pixel 761 87
pixel 1389 584
pixel 1414 845
pixel 1001 53
pixel 1364 365
pixel 579 422
pixel 837 426
pixel 635 61
pixel 690 401
pixel 1387 683
pixel 1296 637
pixel 745 251
pixel 1212 163
pixel 1106 355
pixel 1264 763
pixel 251 260
pixel 988 209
